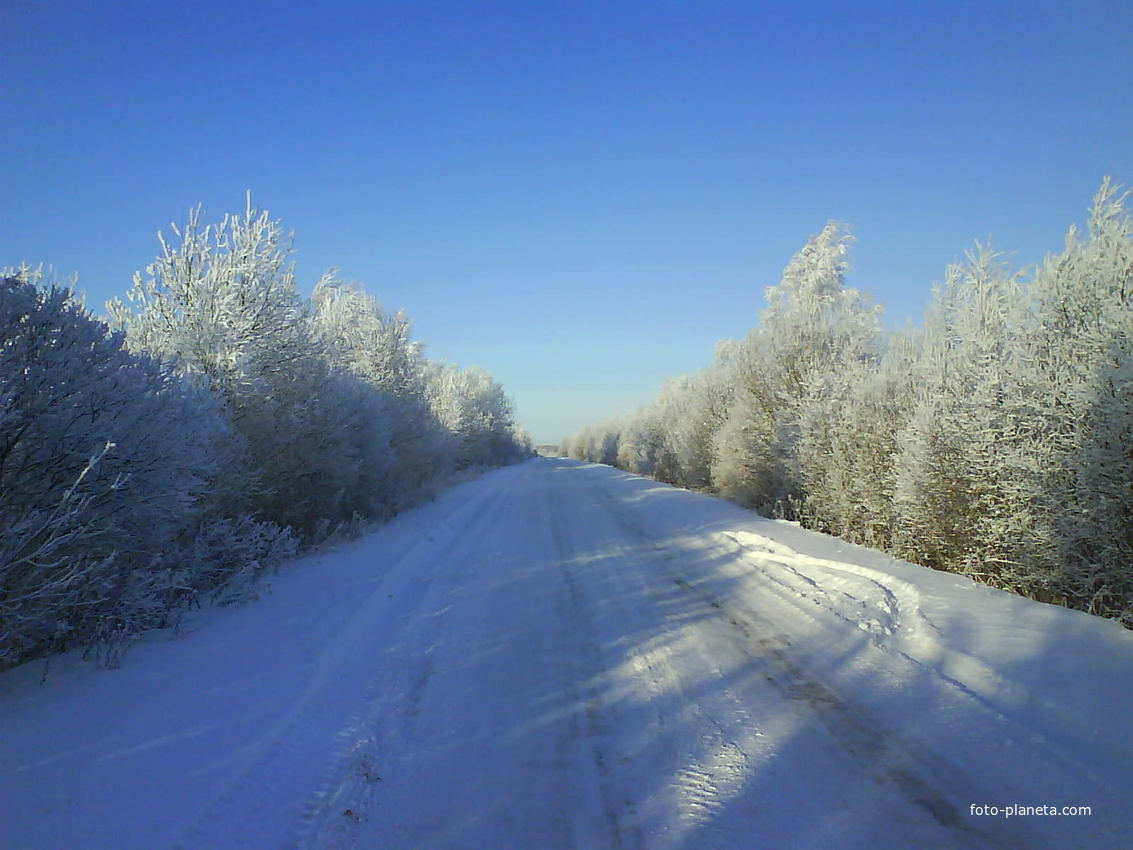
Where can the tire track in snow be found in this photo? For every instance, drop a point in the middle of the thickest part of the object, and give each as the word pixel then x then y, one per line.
pixel 696 747
pixel 382 813
pixel 594 731
pixel 878 754
pixel 388 714
pixel 273 774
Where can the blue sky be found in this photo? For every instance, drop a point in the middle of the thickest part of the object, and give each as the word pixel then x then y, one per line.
pixel 581 197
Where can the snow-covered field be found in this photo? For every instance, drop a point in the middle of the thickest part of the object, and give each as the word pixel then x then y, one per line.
pixel 563 655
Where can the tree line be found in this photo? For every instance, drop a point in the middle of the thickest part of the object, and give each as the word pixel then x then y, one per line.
pixel 214 425
pixel 995 440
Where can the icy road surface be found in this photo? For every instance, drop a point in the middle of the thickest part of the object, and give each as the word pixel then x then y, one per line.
pixel 563 655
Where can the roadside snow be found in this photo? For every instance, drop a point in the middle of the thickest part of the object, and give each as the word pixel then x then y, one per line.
pixel 563 655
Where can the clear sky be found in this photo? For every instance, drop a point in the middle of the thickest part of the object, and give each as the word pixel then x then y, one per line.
pixel 581 197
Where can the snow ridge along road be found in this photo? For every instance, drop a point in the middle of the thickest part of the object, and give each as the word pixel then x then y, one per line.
pixel 564 655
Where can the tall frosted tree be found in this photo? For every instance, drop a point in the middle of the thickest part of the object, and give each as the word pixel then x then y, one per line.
pixel 639 439
pixel 813 325
pixel 405 444
pixel 472 406
pixel 221 305
pixel 1015 464
pixel 961 492
pixel 687 412
pixel 1081 353
pixel 849 428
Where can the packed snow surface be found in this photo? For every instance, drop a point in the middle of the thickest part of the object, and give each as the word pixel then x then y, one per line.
pixel 563 655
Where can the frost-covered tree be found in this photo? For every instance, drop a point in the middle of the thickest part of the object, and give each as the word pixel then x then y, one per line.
pixel 640 442
pixel 685 415
pixel 407 446
pixel 848 445
pixel 1080 351
pixel 473 407
pixel 221 306
pixel 221 302
pixel 960 500
pixel 598 443
pixel 813 326
pixel 104 458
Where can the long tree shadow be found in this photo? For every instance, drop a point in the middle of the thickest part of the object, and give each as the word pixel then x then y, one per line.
pixel 718 715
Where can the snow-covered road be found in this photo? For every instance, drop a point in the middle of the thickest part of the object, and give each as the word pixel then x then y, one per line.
pixel 563 655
